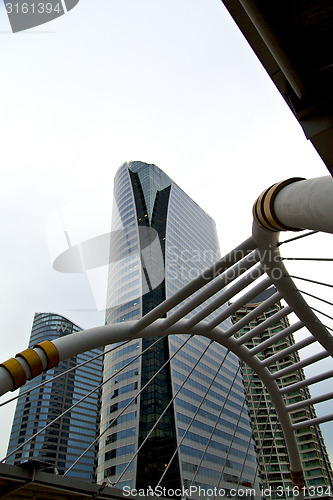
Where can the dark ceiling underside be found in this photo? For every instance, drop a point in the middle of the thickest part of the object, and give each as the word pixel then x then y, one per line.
pixel 294 41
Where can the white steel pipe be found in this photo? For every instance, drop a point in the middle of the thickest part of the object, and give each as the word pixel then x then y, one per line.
pixel 283 353
pixel 213 287
pixel 310 402
pixel 227 294
pixel 270 258
pixel 271 320
pixel 79 342
pixel 313 421
pixel 205 277
pixel 300 364
pixel 306 382
pixel 244 299
pixel 276 337
pixel 307 204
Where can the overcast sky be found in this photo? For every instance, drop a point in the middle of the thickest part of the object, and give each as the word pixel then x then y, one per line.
pixel 171 83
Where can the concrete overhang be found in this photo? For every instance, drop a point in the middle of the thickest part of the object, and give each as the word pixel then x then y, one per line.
pixel 293 41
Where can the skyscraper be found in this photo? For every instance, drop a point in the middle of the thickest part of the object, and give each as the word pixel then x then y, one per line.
pixel 273 456
pixel 161 239
pixel 64 441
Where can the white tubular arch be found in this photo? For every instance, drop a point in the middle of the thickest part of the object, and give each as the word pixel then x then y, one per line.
pixel 95 337
pixel 307 204
pixel 293 204
pixel 271 260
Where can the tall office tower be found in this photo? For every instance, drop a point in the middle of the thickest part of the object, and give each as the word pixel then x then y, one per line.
pixel 161 239
pixel 273 457
pixel 64 441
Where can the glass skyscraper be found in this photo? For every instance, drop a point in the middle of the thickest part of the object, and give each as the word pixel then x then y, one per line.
pixel 64 441
pixel 161 239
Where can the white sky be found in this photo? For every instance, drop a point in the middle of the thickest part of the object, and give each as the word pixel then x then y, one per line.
pixel 172 83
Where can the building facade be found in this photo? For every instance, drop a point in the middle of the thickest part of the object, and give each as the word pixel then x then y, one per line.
pixel 64 441
pixel 269 439
pixel 161 239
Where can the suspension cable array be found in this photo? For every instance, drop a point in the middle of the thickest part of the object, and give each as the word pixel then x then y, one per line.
pixel 242 274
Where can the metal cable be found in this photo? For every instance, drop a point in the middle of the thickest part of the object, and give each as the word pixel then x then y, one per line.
pixel 233 437
pixel 77 403
pixel 311 281
pixel 319 259
pixel 315 297
pixel 193 418
pixel 256 413
pixel 123 410
pixel 163 413
pixel 324 314
pixel 215 426
pixel 272 447
pixel 24 393
pixel 297 238
pixel 261 451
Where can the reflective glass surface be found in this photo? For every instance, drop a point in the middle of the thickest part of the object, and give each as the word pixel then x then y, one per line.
pixel 169 240
pixel 64 441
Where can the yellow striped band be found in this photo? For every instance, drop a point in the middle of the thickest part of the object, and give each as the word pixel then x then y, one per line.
pixel 263 208
pixel 51 353
pixel 16 371
pixel 297 478
pixel 33 360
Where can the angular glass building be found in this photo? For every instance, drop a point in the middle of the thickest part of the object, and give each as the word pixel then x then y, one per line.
pixel 64 441
pixel 161 239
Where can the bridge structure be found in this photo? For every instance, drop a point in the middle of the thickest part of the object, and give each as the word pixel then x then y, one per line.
pixel 249 269
pixel 293 42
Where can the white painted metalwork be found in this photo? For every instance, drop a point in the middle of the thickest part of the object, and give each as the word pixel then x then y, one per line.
pixel 249 269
